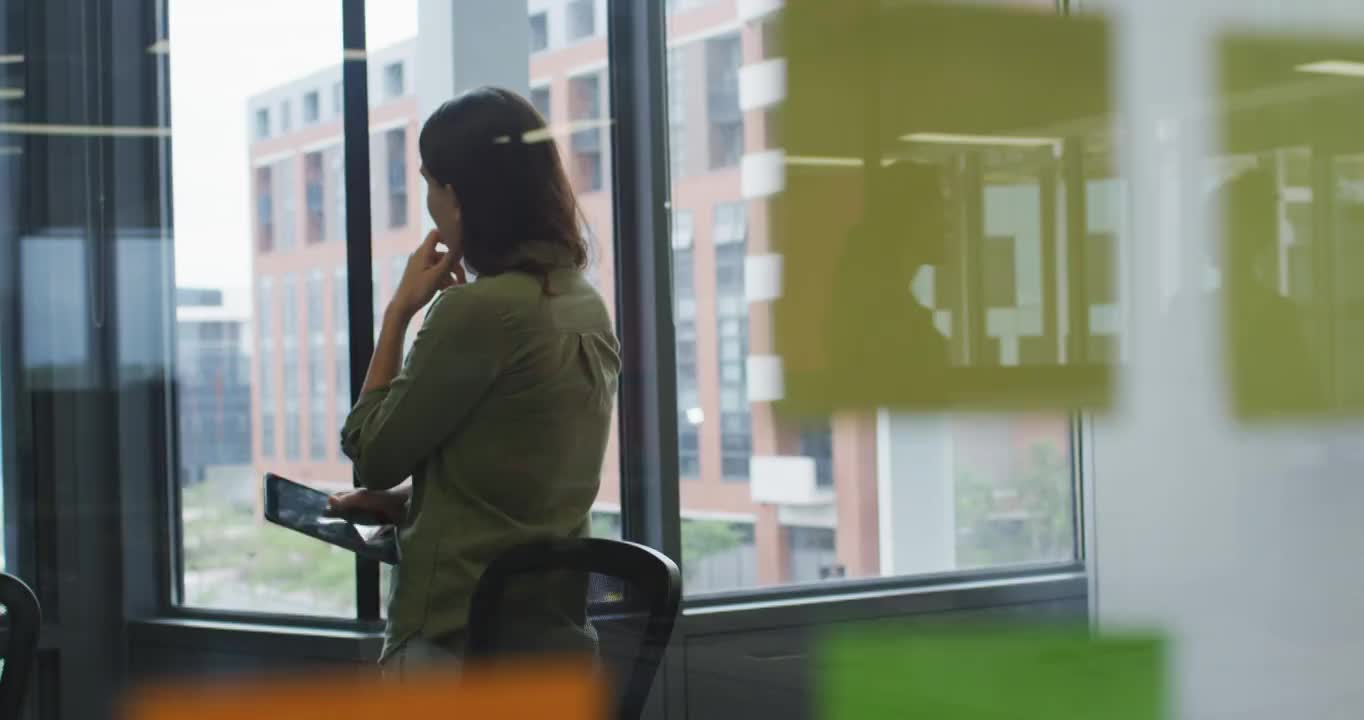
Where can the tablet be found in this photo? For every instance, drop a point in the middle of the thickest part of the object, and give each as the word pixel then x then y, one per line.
pixel 303 509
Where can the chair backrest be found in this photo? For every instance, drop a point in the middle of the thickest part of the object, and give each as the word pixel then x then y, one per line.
pixel 21 622
pixel 640 580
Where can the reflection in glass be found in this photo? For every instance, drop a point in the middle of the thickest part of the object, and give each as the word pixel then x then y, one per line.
pixel 937 221
pixel 1288 192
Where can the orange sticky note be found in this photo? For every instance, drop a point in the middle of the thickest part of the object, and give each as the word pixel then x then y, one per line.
pixel 523 690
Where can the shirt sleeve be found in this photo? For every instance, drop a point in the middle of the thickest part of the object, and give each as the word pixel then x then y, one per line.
pixel 454 360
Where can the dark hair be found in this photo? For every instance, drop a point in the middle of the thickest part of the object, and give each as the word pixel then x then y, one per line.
pixel 493 148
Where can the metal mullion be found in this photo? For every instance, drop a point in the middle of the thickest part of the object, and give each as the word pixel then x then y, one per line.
pixel 637 47
pixel 359 250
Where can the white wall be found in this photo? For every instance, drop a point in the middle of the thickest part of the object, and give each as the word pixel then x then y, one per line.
pixel 1244 543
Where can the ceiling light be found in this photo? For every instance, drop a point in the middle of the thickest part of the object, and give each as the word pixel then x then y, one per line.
pixel 1347 68
pixel 959 139
pixel 160 47
pixel 11 94
pixel 11 59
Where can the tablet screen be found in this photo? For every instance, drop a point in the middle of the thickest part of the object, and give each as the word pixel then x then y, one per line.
pixel 301 508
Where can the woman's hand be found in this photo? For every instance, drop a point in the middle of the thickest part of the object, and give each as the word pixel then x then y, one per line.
pixel 429 270
pixel 388 506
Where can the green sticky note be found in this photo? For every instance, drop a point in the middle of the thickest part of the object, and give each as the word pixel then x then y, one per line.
pixel 988 674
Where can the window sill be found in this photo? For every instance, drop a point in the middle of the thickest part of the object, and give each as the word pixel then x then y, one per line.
pixel 257 638
pixel 1063 585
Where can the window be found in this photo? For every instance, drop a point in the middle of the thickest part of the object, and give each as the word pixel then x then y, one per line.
pixel 265 362
pixel 336 182
pixel 1006 480
pixel 539 98
pixel 584 111
pixel 312 107
pixel 341 351
pixel 314 194
pixel 689 412
pixel 736 439
pixel 285 116
pixel 394 86
pixel 395 148
pixel 539 32
pixel 582 19
pixel 317 373
pixel 817 443
pixel 725 120
pixel 262 123
pixel 283 189
pixel 338 98
pixel 677 112
pixel 265 211
pixel 290 385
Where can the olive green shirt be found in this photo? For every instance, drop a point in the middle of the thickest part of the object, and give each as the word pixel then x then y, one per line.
pixel 500 416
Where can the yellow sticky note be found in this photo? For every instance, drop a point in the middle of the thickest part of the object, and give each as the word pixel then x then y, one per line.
pixel 945 221
pixel 1289 197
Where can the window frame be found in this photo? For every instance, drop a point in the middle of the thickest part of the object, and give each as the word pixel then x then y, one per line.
pixel 638 159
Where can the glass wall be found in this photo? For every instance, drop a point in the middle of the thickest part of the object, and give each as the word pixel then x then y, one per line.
pixel 249 340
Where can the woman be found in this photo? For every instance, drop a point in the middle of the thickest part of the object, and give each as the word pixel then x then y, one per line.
pixel 500 413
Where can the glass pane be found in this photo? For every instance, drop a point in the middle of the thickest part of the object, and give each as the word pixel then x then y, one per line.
pixel 770 499
pixel 260 307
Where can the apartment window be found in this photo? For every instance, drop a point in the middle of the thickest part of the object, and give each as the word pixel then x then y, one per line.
pixel 677 112
pixel 394 86
pixel 338 98
pixel 817 443
pixel 336 182
pixel 736 438
pixel 290 387
pixel 265 211
pixel 725 119
pixel 265 359
pixel 317 373
pixel 282 186
pixel 315 224
pixel 395 148
pixel 539 32
pixel 582 19
pixel 689 412
pixel 312 107
pixel 285 116
pixel 262 123
pixel 341 352
pixel 539 98
pixel 586 143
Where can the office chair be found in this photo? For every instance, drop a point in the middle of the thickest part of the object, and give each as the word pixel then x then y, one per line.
pixel 22 618
pixel 633 597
